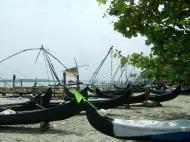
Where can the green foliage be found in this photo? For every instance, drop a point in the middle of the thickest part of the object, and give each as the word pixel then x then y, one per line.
pixel 166 25
pixel 102 1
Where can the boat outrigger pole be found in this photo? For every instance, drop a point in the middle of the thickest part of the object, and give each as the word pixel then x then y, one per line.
pixel 19 53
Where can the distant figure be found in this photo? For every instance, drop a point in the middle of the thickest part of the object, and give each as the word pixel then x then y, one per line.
pixel 14 78
pixel 21 82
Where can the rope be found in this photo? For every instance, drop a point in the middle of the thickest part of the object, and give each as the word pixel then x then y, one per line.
pixel 38 55
pixel 99 67
pixel 130 73
pixel 111 64
pixel 52 69
pixel 121 73
pixel 114 75
pixel 5 82
pixel 55 58
pixel 76 66
pixel 49 65
pixel 46 64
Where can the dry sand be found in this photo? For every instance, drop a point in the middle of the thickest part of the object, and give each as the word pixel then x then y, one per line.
pixel 77 128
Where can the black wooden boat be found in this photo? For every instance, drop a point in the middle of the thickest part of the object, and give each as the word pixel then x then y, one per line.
pixel 158 98
pixel 111 103
pixel 60 112
pixel 42 100
pixel 111 94
pixel 115 102
pixel 138 98
pixel 156 91
pixel 117 87
pixel 185 91
pixel 89 89
pixel 136 88
pixel 38 102
pixel 149 130
pixel 46 97
pixel 166 96
pixel 69 96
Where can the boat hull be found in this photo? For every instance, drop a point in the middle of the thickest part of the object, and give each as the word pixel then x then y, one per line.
pixel 150 130
pixel 60 112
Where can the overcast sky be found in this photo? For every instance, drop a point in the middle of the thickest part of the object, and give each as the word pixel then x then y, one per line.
pixel 68 28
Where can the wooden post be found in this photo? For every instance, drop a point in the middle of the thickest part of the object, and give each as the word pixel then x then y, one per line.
pixel 5 86
pixel 78 82
pixel 64 79
pixel 14 78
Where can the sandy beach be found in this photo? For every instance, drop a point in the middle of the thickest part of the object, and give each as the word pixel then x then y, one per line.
pixel 77 128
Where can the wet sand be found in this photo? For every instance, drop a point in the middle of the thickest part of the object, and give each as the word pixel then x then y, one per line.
pixel 77 128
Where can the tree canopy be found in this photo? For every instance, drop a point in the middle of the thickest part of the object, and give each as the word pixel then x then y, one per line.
pixel 166 26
